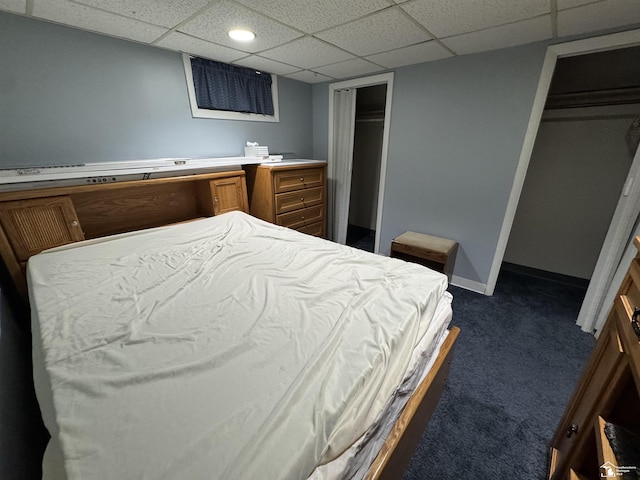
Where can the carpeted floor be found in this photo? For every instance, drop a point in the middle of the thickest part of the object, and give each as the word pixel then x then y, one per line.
pixel 516 363
pixel 360 237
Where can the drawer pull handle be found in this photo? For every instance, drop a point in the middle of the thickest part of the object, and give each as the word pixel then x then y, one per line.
pixel 302 179
pixel 302 199
pixel 74 223
pixel 571 430
pixel 634 321
pixel 215 199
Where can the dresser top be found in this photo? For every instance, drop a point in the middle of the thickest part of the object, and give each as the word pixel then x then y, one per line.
pixel 294 163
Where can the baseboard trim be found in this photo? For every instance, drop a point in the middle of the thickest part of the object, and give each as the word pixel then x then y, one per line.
pixel 546 275
pixel 467 284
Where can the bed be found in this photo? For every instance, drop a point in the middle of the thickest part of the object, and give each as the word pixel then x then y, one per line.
pixel 228 347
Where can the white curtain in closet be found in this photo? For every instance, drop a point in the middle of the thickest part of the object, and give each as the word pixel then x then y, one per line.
pixel 339 170
pixel 615 256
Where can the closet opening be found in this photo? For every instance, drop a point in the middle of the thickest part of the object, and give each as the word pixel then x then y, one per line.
pixel 366 167
pixel 581 177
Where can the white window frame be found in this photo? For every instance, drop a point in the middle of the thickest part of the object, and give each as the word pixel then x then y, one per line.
pixel 198 112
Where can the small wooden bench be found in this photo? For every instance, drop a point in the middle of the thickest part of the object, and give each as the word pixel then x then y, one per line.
pixel 434 252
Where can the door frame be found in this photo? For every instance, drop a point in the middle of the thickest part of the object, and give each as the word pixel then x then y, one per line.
pixel 577 47
pixel 380 79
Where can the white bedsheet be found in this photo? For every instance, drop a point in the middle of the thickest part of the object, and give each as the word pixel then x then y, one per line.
pixel 223 348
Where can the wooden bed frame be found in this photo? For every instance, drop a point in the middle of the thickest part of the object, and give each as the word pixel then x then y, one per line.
pixel 34 220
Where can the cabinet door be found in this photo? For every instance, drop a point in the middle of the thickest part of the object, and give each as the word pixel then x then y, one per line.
pixel 37 224
pixel 229 194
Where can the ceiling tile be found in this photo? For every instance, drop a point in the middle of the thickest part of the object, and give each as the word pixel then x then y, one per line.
pixel 311 16
pixel 200 48
pixel 18 6
pixel 87 18
pixel 598 16
pixel 215 22
pixel 504 36
pixel 350 68
pixel 167 14
pixel 452 17
pixel 307 52
pixel 423 52
pixel 309 77
pixel 376 33
pixel 266 65
pixel 564 4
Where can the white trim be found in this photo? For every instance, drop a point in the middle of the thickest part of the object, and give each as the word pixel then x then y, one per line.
pixel 595 44
pixel 467 284
pixel 197 112
pixel 383 78
pixel 523 163
pixel 578 47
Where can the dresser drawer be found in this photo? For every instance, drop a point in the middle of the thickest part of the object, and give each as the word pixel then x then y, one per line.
pixel 287 202
pixel 290 180
pixel 300 218
pixel 315 229
pixel 603 367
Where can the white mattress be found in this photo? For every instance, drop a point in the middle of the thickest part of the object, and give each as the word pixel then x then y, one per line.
pixel 223 348
pixel 354 463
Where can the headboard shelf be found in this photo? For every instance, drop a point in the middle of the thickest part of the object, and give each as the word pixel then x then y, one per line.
pixel 34 220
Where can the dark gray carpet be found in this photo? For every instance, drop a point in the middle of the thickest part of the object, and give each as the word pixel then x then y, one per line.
pixel 361 238
pixel 516 363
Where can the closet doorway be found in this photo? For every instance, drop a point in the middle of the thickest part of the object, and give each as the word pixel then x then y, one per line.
pixel 365 172
pixel 626 212
pixel 359 123
pixel 579 164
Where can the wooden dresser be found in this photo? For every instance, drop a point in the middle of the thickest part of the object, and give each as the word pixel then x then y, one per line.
pixel 34 220
pixel 291 194
pixel 607 396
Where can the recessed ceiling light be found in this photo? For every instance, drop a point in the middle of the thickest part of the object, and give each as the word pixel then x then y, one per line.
pixel 242 35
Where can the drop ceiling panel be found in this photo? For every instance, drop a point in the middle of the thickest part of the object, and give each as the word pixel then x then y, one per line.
pixel 376 33
pixel 506 36
pixel 214 23
pixel 166 14
pixel 301 37
pixel 311 16
pixel 307 53
pixel 452 17
pixel 18 6
pixel 564 4
pixel 266 65
pixel 309 77
pixel 423 52
pixel 598 16
pixel 86 18
pixel 354 67
pixel 184 43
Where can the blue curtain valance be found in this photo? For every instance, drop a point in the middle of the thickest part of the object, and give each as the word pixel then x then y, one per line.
pixel 220 86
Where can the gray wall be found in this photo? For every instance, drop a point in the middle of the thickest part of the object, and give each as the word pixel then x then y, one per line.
pixel 457 129
pixel 68 96
pixel 320 102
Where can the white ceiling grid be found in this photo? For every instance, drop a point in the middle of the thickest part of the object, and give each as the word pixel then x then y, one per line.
pixel 322 40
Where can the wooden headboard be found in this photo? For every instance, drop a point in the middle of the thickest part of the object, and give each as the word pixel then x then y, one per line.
pixel 34 220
